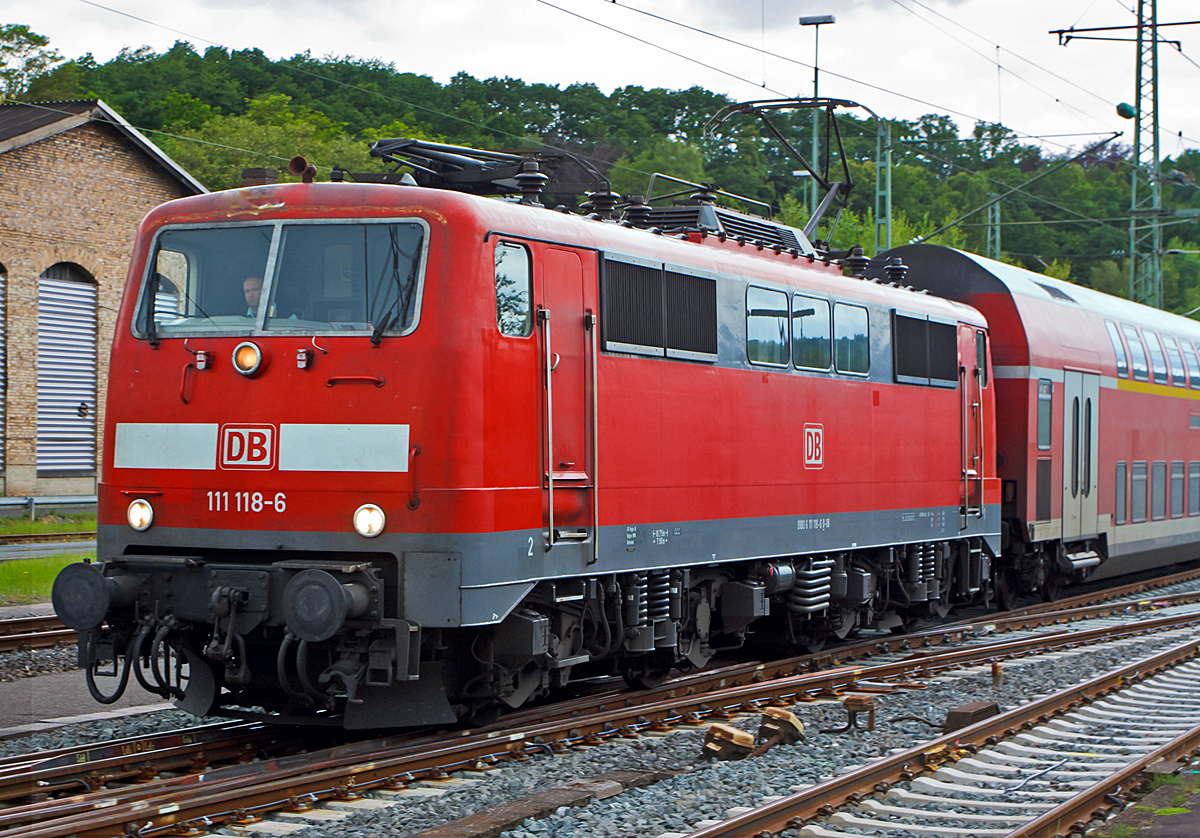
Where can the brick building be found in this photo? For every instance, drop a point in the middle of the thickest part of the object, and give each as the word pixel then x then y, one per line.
pixel 75 181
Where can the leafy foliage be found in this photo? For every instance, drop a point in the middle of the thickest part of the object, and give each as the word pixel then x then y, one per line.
pixel 24 55
pixel 222 110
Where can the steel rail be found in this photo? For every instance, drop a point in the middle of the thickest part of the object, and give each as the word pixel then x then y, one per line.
pixel 275 784
pixel 44 537
pixel 792 811
pixel 1079 809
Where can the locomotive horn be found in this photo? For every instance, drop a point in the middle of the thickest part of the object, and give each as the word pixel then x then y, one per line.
pixel 302 168
pixel 82 595
pixel 315 605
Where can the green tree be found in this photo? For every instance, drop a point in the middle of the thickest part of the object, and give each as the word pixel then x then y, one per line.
pixel 272 131
pixel 678 159
pixel 24 55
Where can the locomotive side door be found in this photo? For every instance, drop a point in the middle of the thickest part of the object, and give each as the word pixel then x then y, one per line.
pixel 971 369
pixel 566 327
pixel 1081 425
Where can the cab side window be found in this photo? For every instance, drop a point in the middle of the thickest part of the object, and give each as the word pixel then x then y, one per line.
pixel 851 341
pixel 513 290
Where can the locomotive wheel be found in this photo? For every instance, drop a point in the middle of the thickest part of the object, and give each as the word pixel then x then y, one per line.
pixel 1052 587
pixel 647 672
pixel 1006 589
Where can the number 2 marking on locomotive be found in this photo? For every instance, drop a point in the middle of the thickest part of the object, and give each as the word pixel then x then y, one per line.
pixel 246 502
pixel 530 553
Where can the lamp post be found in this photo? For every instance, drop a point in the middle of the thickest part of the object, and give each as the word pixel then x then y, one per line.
pixel 815 21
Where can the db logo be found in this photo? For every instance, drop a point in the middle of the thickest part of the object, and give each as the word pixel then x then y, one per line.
pixel 248 446
pixel 814 446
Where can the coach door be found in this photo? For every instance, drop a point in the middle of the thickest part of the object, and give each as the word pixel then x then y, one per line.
pixel 566 329
pixel 970 390
pixel 1081 426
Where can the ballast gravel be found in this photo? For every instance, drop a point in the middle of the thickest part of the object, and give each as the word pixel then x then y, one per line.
pixel 30 663
pixel 708 790
pixel 101 732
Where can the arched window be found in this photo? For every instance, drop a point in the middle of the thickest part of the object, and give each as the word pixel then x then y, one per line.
pixel 66 398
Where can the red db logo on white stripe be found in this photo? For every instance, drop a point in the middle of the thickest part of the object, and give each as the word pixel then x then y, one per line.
pixel 248 446
pixel 814 446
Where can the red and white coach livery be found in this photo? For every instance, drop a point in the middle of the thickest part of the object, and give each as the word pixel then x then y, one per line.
pixel 1099 416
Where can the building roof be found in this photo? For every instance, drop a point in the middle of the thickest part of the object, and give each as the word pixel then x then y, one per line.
pixel 23 123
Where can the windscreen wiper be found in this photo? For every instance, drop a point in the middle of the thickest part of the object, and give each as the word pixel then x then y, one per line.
pixel 382 326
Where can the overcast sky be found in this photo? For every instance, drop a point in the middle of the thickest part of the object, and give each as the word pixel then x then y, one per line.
pixel 973 60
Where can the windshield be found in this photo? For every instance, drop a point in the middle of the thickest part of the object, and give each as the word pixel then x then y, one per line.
pixel 321 278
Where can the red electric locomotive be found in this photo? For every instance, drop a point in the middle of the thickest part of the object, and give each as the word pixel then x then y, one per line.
pixel 381 454
pixel 1100 426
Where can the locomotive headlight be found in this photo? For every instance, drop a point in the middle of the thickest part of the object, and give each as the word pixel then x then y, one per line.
pixel 369 520
pixel 140 515
pixel 247 358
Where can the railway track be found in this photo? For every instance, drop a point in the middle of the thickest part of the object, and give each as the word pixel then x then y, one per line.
pixel 45 537
pixel 1041 769
pixel 34 633
pixel 238 792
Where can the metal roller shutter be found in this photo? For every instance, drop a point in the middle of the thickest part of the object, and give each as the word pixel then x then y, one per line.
pixel 3 362
pixel 66 402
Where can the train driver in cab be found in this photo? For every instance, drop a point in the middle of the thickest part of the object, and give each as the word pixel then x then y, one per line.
pixel 252 288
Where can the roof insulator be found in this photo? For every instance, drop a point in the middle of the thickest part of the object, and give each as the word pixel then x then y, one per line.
pixel 637 211
pixel 601 203
pixel 895 269
pixel 531 180
pixel 741 240
pixel 856 262
pixel 722 236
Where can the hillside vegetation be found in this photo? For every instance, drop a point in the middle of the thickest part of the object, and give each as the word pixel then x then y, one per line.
pixel 218 111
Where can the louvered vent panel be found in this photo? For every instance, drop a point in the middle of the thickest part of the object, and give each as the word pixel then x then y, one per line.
pixel 632 300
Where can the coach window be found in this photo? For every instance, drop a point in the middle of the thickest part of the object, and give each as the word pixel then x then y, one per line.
pixel 1189 355
pixel 1193 489
pixel 1175 362
pixel 1158 490
pixel 1177 489
pixel 810 333
pixel 1045 402
pixel 1137 493
pixel 1137 350
pixel 1119 518
pixel 513 291
pixel 1118 348
pixel 766 327
pixel 851 341
pixel 1157 362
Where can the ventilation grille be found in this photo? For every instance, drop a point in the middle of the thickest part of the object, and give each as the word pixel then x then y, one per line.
pixel 733 224
pixel 1043 490
pixel 764 231
pixel 633 306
